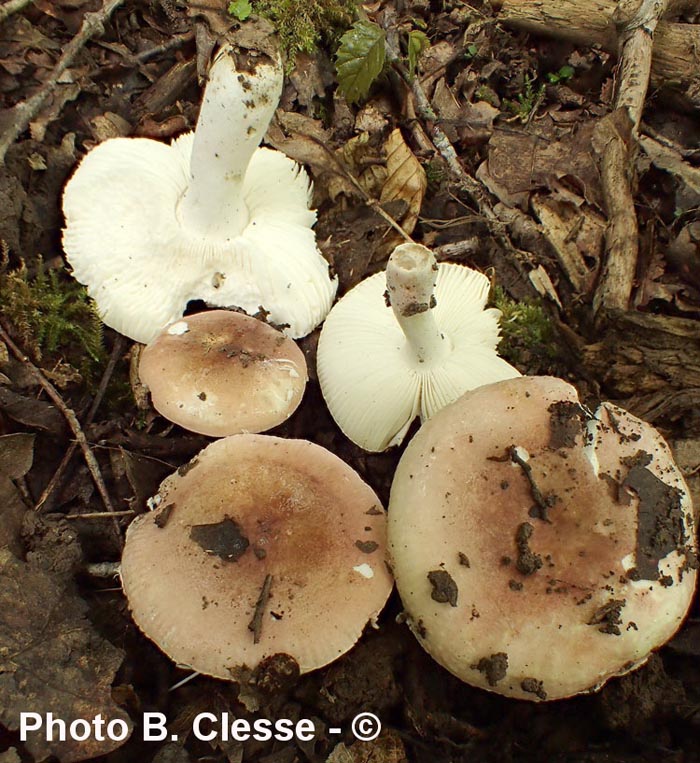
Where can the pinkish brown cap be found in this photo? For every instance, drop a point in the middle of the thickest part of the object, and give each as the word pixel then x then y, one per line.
pixel 540 549
pixel 254 516
pixel 220 373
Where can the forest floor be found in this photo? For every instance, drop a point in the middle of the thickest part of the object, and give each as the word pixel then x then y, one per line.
pixel 530 211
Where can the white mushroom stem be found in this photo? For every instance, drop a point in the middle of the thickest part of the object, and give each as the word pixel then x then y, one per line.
pixel 410 278
pixel 235 95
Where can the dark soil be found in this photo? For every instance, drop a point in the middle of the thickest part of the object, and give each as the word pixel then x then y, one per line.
pixel 67 643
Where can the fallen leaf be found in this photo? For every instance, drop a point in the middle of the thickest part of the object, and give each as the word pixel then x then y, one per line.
pixel 52 660
pixel 36 414
pixel 405 179
pixel 519 163
pixel 540 279
pixel 568 229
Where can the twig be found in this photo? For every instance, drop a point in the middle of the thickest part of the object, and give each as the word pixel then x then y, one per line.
pixel 102 569
pixel 255 625
pixel 444 146
pixel 55 481
pixel 20 115
pixel 13 6
pixel 100 514
pixel 70 417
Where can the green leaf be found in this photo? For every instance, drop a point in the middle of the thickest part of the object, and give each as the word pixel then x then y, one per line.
pixel 566 72
pixel 240 9
pixel 417 42
pixel 360 59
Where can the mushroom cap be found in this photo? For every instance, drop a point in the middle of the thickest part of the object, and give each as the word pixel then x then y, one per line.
pixel 248 507
pixel 220 373
pixel 151 226
pixel 371 380
pixel 540 550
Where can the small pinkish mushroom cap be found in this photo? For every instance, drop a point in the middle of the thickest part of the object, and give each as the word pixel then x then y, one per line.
pixel 540 549
pixel 250 509
pixel 220 373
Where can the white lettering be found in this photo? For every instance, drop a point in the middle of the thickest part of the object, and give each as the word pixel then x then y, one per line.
pixel 29 722
pixel 154 727
pixel 197 731
pixel 305 730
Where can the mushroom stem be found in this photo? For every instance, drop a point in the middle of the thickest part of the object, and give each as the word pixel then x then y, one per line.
pixel 239 101
pixel 410 278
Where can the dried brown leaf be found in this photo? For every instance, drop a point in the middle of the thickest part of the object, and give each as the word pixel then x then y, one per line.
pixel 36 414
pixel 52 660
pixel 405 179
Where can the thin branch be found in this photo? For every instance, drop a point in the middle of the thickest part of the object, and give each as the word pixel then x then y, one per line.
pixel 69 416
pixel 255 625
pixel 443 145
pixel 13 6
pixel 20 115
pixel 97 400
pixel 100 514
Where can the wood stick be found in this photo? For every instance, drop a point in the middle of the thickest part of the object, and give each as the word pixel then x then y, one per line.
pixel 13 6
pixel 611 142
pixel 636 32
pixel 55 480
pixel 591 22
pixel 69 416
pixel 17 119
pixel 615 142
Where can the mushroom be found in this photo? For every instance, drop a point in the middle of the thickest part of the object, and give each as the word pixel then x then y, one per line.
pixel 540 549
pixel 209 217
pixel 407 344
pixel 220 373
pixel 258 547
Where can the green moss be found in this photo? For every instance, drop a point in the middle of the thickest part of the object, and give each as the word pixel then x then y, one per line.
pixel 303 25
pixel 51 313
pixel 526 329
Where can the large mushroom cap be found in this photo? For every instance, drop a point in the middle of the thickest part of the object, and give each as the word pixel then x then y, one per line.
pixel 538 549
pixel 221 373
pixel 251 509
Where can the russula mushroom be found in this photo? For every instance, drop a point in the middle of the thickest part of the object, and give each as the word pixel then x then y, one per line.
pixel 220 373
pixel 259 547
pixel 540 549
pixel 209 217
pixel 407 343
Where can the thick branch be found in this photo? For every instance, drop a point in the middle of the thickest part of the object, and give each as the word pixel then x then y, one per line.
pixel 636 43
pixel 12 6
pixel 591 22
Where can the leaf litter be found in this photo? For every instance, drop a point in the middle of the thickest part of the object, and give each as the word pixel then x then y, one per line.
pixel 507 103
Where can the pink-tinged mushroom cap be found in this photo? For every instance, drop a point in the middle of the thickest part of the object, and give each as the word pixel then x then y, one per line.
pixel 260 546
pixel 539 549
pixel 220 373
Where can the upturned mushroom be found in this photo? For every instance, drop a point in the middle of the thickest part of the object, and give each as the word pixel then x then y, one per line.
pixel 259 547
pixel 220 373
pixel 209 217
pixel 405 344
pixel 540 549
